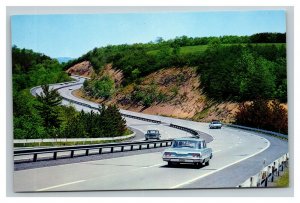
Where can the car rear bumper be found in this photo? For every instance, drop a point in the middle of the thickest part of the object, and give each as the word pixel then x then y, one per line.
pixel 151 137
pixel 183 160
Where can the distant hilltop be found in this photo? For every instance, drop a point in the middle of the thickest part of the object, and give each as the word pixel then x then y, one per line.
pixel 64 59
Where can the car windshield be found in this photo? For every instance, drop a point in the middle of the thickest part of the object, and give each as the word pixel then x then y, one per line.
pixel 184 144
pixel 151 131
pixel 215 122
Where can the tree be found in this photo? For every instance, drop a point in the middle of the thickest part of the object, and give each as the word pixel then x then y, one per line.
pixel 112 121
pixel 49 99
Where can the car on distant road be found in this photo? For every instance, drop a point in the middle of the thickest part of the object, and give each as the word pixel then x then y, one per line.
pixel 70 89
pixel 188 150
pixel 215 125
pixel 152 134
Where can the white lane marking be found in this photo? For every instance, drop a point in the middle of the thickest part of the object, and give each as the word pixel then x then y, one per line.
pixel 202 176
pixel 61 185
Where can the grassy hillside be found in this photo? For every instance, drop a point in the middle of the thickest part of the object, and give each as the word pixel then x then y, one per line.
pixel 201 48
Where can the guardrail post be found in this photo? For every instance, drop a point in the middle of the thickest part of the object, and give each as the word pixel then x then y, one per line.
pixel 155 145
pixel 86 152
pixel 122 148
pixel 100 150
pixel 148 145
pixel 140 147
pixel 161 144
pixel 273 171
pixel 34 157
pixel 55 155
pixel 72 153
pixel 111 149
pixel 131 148
pixel 266 182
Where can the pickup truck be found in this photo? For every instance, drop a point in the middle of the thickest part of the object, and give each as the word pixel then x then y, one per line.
pixel 188 150
pixel 152 134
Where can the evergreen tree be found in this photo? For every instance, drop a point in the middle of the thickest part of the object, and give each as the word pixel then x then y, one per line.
pixel 49 99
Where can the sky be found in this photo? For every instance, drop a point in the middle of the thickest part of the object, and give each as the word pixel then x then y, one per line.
pixel 72 35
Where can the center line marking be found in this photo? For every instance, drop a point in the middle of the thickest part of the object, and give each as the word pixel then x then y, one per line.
pixel 56 186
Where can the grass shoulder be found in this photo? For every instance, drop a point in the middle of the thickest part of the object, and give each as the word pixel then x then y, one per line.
pixel 74 143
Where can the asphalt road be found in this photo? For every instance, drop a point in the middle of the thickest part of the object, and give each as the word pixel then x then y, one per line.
pixel 238 154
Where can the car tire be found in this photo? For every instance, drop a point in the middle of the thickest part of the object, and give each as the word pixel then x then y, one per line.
pixel 146 139
pixel 211 156
pixel 170 163
pixel 207 163
pixel 197 165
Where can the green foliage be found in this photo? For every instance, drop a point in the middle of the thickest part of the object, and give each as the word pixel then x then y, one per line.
pixel 234 62
pixel 49 99
pixel 100 88
pixel 147 95
pixel 261 114
pixel 43 117
pixel 243 73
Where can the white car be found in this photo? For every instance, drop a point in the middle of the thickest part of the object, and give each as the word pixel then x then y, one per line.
pixel 215 125
pixel 189 151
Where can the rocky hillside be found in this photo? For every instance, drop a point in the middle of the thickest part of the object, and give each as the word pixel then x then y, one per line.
pixel 173 92
pixel 84 69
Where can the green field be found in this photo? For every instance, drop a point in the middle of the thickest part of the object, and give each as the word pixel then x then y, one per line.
pixel 202 48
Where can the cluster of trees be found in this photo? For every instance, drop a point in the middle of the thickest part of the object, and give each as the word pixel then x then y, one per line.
pixel 120 55
pixel 107 122
pixel 56 121
pixel 30 69
pixel 242 73
pixel 43 116
pixel 100 88
pixel 264 115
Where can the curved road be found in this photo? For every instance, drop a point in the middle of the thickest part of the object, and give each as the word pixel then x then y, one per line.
pixel 238 154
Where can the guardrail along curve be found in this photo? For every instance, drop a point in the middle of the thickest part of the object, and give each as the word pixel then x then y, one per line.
pixel 113 148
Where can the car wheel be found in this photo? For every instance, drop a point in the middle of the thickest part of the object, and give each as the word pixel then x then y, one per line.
pixel 170 163
pixel 146 139
pixel 207 163
pixel 210 156
pixel 197 165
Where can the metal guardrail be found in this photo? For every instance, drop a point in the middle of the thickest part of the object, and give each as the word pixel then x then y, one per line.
pixel 113 148
pixel 268 173
pixel 53 140
pixel 193 132
pixel 258 130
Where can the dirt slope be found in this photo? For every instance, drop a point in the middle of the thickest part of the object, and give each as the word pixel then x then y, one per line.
pixel 179 86
pixel 84 68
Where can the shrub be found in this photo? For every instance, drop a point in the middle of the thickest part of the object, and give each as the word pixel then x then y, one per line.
pixel 263 114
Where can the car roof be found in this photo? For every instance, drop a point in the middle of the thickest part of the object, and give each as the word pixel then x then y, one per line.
pixel 189 138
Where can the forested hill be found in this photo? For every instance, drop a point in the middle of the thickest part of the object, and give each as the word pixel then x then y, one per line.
pixel 43 116
pixel 231 68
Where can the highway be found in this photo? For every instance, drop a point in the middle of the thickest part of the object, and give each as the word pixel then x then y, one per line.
pixel 238 154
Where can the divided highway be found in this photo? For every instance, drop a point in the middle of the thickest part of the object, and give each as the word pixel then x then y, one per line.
pixel 238 154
